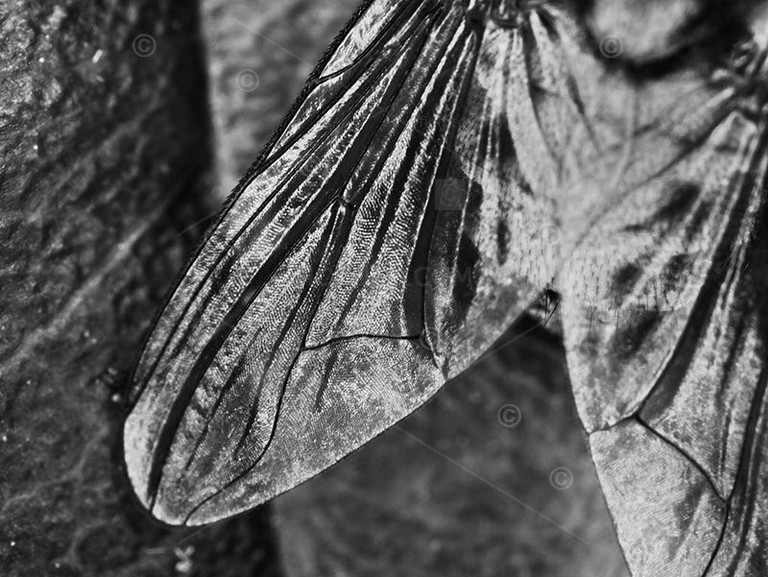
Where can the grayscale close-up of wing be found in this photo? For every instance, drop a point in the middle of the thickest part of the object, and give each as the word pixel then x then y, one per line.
pixel 390 234
pixel 662 312
pixel 431 183
pixel 492 298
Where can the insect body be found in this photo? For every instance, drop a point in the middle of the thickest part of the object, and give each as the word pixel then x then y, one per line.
pixel 447 164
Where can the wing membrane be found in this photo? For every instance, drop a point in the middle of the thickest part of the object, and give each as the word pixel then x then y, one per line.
pixel 339 290
pixel 666 344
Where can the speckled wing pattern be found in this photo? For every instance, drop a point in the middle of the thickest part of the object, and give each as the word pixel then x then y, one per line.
pixel 664 308
pixel 386 237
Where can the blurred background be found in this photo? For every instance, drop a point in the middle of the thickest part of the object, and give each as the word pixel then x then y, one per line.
pixel 122 127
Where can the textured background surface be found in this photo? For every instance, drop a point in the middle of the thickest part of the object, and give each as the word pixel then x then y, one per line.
pixel 105 143
pixel 104 137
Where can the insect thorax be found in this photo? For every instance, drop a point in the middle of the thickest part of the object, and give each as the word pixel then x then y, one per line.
pixel 504 13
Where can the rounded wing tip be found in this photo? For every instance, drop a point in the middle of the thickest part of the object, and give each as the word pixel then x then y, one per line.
pixel 172 504
pixel 171 507
pixel 174 494
pixel 172 513
pixel 177 500
pixel 189 510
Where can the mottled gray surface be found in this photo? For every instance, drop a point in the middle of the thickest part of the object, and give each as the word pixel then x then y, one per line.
pixel 104 146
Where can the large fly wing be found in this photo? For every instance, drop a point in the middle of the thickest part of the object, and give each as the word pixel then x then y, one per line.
pixel 664 314
pixel 392 231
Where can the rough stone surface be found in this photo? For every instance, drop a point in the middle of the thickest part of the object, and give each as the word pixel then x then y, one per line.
pixel 104 143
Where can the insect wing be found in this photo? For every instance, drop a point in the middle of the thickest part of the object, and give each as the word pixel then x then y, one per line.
pixel 366 258
pixel 666 334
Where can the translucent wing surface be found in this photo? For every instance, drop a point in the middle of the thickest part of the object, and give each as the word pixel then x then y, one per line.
pixel 664 310
pixel 398 222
